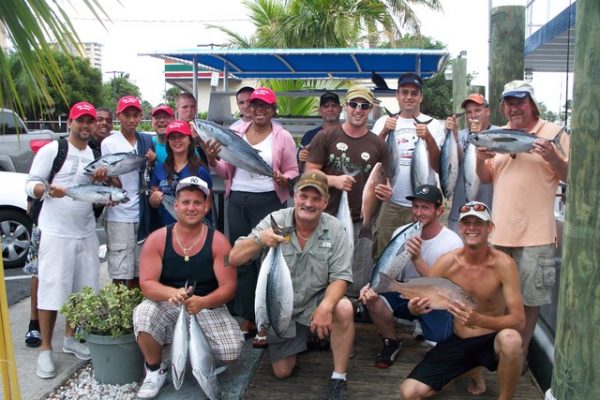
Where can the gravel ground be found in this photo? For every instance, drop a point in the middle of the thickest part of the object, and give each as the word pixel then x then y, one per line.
pixel 83 386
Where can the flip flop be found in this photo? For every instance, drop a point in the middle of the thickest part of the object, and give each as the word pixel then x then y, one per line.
pixel 33 338
pixel 249 334
pixel 260 342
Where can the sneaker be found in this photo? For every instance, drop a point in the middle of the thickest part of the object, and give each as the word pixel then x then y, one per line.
pixel 72 346
pixel 386 358
pixel 418 332
pixel 45 365
pixel 337 389
pixel 153 382
pixel 33 338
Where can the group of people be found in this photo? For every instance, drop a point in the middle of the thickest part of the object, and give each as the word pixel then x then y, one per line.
pixel 505 265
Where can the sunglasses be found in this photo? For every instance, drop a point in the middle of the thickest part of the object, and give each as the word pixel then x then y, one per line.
pixel 474 206
pixel 362 106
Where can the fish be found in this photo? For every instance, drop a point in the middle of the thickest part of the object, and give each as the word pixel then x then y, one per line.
pixel 395 256
pixel 449 165
pixel 440 291
pixel 390 140
pixel 117 163
pixel 97 194
pixel 370 202
pixel 179 348
pixel 168 202
pixel 260 293
pixel 510 141
pixel 420 171
pixel 345 217
pixel 472 180
pixel 203 362
pixel 234 149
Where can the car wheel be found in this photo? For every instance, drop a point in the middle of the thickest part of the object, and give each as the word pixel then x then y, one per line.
pixel 15 231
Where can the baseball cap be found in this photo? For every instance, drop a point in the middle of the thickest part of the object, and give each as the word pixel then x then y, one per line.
pixel 264 94
pixel 475 98
pixel 520 90
pixel 82 108
pixel 476 209
pixel 428 193
pixel 410 79
pixel 359 92
pixel 164 108
pixel 329 97
pixel 314 179
pixel 192 181
pixel 179 126
pixel 128 101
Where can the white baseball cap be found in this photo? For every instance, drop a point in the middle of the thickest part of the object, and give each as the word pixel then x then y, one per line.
pixel 193 181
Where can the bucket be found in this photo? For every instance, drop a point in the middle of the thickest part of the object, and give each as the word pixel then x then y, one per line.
pixel 116 360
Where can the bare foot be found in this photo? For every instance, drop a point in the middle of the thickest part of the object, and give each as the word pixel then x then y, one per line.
pixel 477 385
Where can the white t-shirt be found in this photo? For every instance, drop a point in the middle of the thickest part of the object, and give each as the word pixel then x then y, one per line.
pixel 244 181
pixel 432 249
pixel 406 138
pixel 63 217
pixel 130 211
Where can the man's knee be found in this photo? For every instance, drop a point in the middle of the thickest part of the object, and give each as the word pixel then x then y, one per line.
pixel 509 343
pixel 343 313
pixel 284 368
pixel 411 389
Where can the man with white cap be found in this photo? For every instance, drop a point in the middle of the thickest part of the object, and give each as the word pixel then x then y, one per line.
pixel 185 252
pixel 486 336
pixel 524 193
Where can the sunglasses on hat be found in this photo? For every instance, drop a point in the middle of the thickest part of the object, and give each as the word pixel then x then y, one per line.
pixel 474 206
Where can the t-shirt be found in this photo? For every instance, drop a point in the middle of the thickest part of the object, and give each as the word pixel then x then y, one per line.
pixel 160 149
pixel 246 181
pixel 333 148
pixel 406 138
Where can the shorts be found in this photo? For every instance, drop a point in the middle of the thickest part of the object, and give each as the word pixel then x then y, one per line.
pixel 66 265
pixel 391 217
pixel 280 348
pixel 453 358
pixel 31 266
pixel 158 319
pixel 436 325
pixel 123 250
pixel 537 269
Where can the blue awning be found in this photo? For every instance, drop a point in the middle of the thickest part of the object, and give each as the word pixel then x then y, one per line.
pixel 312 63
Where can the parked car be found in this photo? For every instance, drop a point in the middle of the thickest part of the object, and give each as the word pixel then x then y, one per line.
pixel 15 225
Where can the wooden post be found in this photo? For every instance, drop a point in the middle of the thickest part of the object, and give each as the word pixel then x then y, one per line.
pixel 506 53
pixel 577 343
pixel 459 85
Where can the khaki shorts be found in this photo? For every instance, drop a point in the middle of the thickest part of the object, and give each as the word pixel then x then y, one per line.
pixel 123 250
pixel 537 268
pixel 391 217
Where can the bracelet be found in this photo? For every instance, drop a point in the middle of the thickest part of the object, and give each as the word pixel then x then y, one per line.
pixel 257 239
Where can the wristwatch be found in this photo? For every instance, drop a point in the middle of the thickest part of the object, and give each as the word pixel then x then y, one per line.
pixel 256 236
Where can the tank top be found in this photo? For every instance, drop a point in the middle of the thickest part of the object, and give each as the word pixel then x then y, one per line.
pixel 176 271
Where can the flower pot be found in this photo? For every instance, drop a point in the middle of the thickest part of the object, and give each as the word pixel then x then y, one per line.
pixel 116 360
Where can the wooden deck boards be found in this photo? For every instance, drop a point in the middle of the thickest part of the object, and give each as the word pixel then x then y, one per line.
pixel 365 381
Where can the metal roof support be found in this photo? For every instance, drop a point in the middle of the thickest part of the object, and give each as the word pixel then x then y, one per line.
pixel 195 78
pixel 226 76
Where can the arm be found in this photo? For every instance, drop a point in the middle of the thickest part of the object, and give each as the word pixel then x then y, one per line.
pixel 484 167
pixel 40 172
pixel 247 248
pixel 151 268
pixel 385 125
pixel 549 153
pixel 414 249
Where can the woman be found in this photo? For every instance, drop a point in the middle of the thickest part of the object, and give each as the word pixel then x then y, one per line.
pixel 182 161
pixel 253 196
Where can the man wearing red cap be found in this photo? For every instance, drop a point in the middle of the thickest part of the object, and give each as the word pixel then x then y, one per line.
pixel 161 116
pixel 68 255
pixel 128 224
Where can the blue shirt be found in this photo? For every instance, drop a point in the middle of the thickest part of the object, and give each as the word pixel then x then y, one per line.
pixel 160 149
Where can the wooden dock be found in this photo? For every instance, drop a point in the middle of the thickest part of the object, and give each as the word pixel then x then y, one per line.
pixel 365 381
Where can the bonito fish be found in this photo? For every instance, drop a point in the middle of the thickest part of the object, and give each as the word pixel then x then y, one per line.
pixel 344 215
pixel 179 348
pixel 420 171
pixel 440 291
pixel 510 141
pixel 395 255
pixel 370 202
pixel 394 157
pixel 472 180
pixel 117 163
pixel 449 165
pixel 168 202
pixel 203 361
pixel 234 149
pixel 97 194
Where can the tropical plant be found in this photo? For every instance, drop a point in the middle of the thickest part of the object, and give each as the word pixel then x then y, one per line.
pixel 116 88
pixel 108 312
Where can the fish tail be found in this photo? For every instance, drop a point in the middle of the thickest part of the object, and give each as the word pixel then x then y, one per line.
pixel 292 184
pixel 556 141
pixel 386 283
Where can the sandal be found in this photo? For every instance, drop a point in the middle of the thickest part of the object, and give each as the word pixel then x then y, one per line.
pixel 260 342
pixel 249 334
pixel 33 338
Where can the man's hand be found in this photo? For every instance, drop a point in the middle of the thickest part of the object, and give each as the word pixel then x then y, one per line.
pixel 384 191
pixel 451 124
pixel 342 182
pixel 155 198
pixel 212 149
pixel 367 294
pixel 546 150
pixel 270 238
pixel 423 131
pixel 419 305
pixel 414 247
pixel 322 321
pixel 150 156
pixel 303 154
pixel 193 304
pixel 57 191
pixel 484 154
pixel 101 175
pixel 390 124
pixel 280 178
pixel 462 314
pixel 180 296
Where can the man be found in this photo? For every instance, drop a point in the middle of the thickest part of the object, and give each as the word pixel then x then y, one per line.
pixel 187 251
pixel 187 110
pixel 104 126
pixel 488 336
pixel 161 116
pixel 329 110
pixel 318 256
pixel 128 224
pixel 477 113
pixel 524 193
pixel 353 147
pixel 242 98
pixel 435 241
pixel 407 131
pixel 68 255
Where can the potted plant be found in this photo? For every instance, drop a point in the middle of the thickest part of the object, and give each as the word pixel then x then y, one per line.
pixel 105 320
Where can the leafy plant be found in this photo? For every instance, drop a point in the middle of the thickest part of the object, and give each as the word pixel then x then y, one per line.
pixel 108 312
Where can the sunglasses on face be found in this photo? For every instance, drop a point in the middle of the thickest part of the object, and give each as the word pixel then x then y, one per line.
pixel 362 106
pixel 474 206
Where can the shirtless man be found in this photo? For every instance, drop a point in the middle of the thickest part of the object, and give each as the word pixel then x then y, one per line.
pixel 487 336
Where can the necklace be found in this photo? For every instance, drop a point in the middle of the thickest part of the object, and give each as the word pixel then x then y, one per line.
pixel 260 133
pixel 300 236
pixel 186 250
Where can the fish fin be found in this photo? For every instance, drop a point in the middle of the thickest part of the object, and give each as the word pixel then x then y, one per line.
pixel 556 141
pixel 292 184
pixel 385 283
pixel 219 370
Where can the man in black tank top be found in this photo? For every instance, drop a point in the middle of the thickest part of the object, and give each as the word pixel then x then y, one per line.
pixel 187 251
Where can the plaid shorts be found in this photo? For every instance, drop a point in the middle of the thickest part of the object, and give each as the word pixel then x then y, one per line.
pixel 158 319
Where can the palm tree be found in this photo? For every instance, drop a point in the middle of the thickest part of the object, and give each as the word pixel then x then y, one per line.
pixel 31 26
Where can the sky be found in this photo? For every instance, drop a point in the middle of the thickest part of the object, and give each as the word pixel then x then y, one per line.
pixel 145 26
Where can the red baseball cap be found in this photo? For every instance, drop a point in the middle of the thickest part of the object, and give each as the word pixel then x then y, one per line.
pixel 82 108
pixel 164 108
pixel 179 126
pixel 128 101
pixel 264 94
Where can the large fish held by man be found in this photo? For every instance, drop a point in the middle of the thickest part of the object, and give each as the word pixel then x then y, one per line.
pixel 420 171
pixel 472 181
pixel 116 164
pixel 449 165
pixel 370 202
pixel 510 141
pixel 179 348
pixel 203 361
pixel 345 216
pixel 97 194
